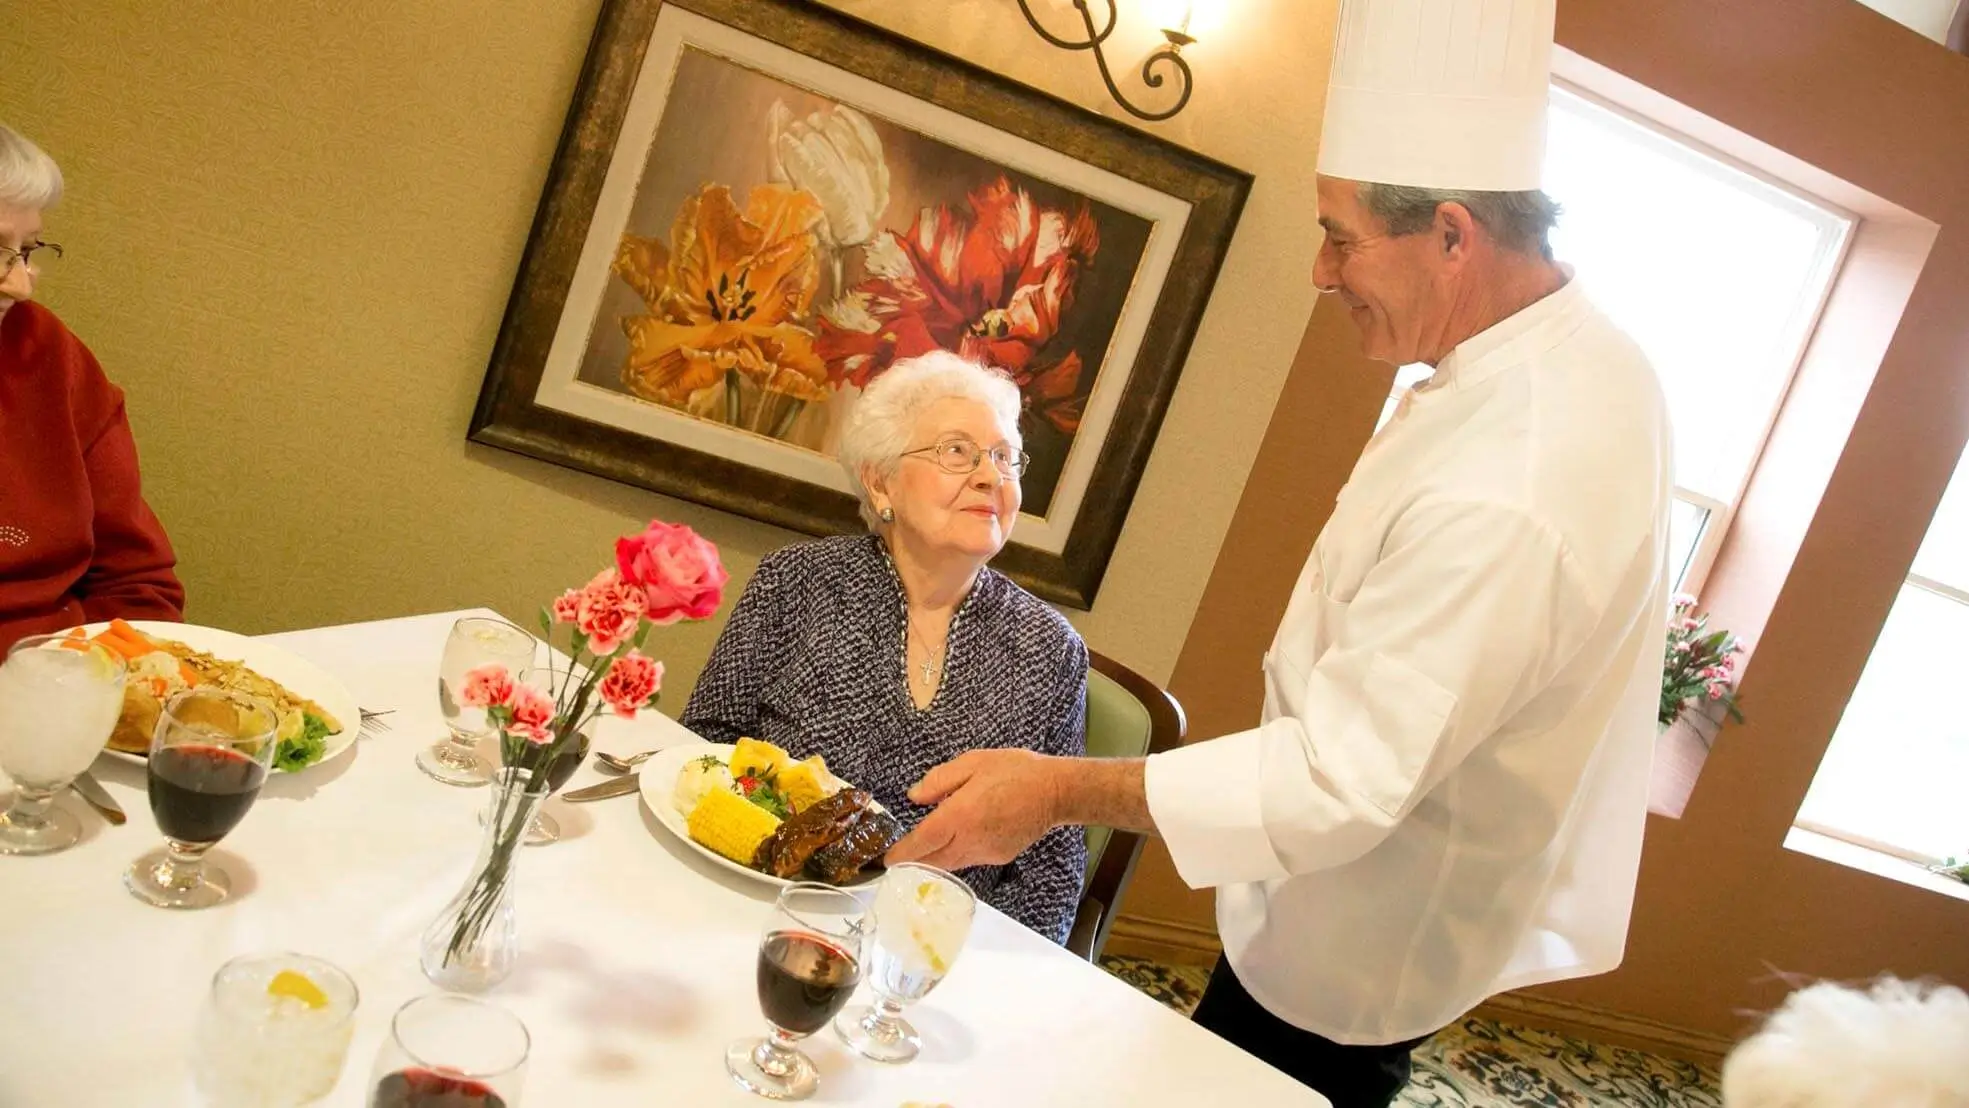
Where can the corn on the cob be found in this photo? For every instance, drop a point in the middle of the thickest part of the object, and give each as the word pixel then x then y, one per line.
pixel 731 825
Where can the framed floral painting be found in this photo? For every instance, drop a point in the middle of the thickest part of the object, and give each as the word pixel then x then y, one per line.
pixel 759 206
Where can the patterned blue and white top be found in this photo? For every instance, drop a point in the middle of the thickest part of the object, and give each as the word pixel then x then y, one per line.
pixel 813 661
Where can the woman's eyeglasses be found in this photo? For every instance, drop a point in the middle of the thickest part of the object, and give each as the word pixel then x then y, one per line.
pixel 962 456
pixel 9 257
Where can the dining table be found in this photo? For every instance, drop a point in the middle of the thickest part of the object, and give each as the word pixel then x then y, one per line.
pixel 638 956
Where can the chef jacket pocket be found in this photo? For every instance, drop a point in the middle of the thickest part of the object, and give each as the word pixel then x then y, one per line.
pixel 1405 717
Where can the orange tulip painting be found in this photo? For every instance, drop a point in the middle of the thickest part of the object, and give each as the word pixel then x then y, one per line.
pixel 758 207
pixel 726 296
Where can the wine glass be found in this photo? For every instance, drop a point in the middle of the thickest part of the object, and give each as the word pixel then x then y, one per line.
pixel 809 964
pixel 274 1030
pixel 450 1051
pixel 474 641
pixel 208 759
pixel 921 918
pixel 59 699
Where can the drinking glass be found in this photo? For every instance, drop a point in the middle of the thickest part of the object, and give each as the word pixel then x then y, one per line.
pixel 474 641
pixel 920 920
pixel 809 964
pixel 450 1051
pixel 274 1031
pixel 208 759
pixel 59 699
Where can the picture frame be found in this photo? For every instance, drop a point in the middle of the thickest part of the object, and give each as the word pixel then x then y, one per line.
pixel 757 206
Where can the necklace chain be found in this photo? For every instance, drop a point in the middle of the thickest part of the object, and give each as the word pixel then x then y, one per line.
pixel 931 667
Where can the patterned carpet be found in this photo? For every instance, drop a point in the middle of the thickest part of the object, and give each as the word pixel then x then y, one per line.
pixel 1481 1063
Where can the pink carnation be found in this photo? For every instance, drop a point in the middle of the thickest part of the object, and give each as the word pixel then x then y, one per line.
pixel 609 611
pixel 533 713
pixel 677 570
pixel 1715 692
pixel 632 681
pixel 487 686
pixel 567 606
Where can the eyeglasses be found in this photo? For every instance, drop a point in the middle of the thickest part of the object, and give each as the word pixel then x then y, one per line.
pixel 9 257
pixel 962 456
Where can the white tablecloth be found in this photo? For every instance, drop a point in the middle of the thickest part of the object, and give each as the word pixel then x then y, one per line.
pixel 638 963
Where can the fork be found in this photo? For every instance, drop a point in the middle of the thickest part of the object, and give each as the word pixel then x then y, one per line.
pixel 373 723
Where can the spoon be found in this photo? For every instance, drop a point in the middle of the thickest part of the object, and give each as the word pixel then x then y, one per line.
pixel 613 764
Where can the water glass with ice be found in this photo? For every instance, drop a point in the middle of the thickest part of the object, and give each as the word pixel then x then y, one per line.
pixel 274 1032
pixel 474 641
pixel 922 916
pixel 59 699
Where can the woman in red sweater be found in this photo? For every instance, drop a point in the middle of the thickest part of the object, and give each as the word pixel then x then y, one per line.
pixel 77 541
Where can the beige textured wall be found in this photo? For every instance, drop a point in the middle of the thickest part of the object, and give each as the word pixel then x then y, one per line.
pixel 293 228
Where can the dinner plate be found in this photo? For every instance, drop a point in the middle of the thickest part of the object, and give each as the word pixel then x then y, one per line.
pixel 658 783
pixel 302 677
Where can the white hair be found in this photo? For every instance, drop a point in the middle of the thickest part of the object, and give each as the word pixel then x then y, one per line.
pixel 882 421
pixel 28 177
pixel 1896 1044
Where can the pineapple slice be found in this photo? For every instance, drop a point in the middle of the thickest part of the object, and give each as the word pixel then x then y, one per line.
pixel 755 758
pixel 807 783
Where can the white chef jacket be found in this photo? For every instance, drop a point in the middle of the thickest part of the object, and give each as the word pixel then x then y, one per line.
pixel 1446 794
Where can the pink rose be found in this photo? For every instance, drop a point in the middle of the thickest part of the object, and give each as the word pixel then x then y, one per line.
pixel 609 611
pixel 567 606
pixel 533 712
pixel 487 686
pixel 677 570
pixel 632 680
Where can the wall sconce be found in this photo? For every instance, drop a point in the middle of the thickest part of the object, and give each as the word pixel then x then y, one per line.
pixel 1168 56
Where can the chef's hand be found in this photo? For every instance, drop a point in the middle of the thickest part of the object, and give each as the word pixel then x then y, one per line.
pixel 990 806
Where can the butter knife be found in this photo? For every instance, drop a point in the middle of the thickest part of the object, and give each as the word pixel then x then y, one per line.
pixel 88 788
pixel 620 786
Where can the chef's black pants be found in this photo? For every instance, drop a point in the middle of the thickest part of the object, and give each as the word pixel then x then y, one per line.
pixel 1349 1076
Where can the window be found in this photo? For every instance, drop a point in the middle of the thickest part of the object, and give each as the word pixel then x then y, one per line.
pixel 1718 274
pixel 1893 778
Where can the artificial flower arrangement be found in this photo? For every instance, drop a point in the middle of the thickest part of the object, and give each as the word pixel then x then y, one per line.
pixel 1701 665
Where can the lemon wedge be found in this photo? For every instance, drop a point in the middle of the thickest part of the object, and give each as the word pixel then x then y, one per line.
pixel 296 985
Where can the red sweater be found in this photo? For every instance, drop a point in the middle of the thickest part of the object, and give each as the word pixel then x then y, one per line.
pixel 77 541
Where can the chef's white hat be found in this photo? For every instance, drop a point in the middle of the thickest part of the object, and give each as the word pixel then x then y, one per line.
pixel 1439 93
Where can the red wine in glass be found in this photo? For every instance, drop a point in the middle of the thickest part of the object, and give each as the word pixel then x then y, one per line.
pixel 804 980
pixel 422 1088
pixel 565 765
pixel 198 793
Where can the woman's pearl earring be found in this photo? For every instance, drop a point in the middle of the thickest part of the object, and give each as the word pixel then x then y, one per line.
pixel 888 515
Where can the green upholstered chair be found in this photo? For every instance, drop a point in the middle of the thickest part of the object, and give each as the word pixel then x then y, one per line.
pixel 1128 716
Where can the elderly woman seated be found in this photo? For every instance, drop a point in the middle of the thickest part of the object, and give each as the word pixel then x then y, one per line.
pixel 894 652
pixel 77 541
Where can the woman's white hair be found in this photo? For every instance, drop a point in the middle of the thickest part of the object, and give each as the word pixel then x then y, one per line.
pixel 1895 1044
pixel 28 177
pixel 882 421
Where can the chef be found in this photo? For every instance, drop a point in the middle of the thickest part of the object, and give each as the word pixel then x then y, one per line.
pixel 1445 794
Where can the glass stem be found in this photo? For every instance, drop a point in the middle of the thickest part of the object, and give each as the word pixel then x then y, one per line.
pixel 184 863
pixel 30 808
pixel 776 1055
pixel 882 1015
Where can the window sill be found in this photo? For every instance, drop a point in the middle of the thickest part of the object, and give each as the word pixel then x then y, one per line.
pixel 1860 858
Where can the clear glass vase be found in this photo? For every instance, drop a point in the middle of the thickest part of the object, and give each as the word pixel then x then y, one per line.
pixel 474 942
